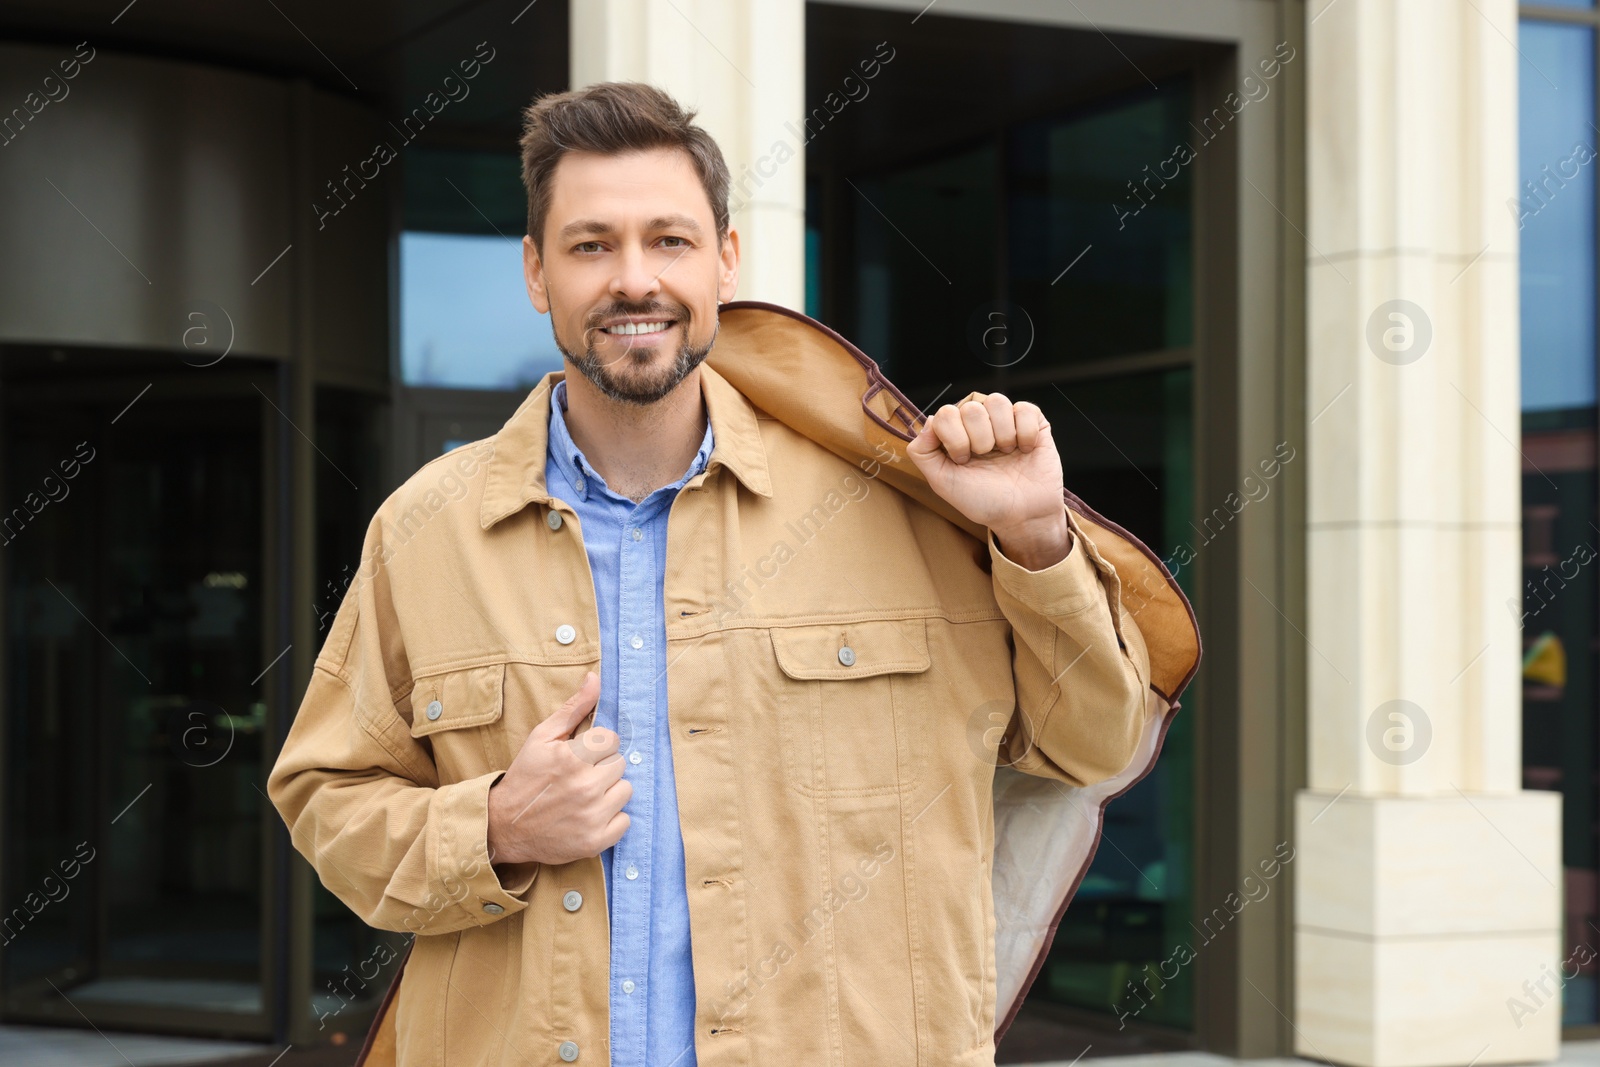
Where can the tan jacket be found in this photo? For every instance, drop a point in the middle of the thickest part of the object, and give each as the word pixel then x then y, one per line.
pixel 839 808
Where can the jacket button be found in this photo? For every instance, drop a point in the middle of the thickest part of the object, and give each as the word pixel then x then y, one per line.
pixel 847 656
pixel 553 519
pixel 493 908
pixel 572 902
pixel 568 1051
pixel 435 709
pixel 566 634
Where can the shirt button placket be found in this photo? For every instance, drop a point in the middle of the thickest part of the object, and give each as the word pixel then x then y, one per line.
pixel 636 689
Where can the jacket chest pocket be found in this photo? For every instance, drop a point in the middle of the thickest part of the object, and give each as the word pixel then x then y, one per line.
pixel 847 705
pixel 458 713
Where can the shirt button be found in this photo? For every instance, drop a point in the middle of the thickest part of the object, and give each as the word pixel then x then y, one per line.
pixel 627 987
pixel 568 1051
pixel 435 709
pixel 553 519
pixel 633 757
pixel 847 656
pixel 633 872
pixel 493 909
pixel 566 634
pixel 580 485
pixel 638 534
pixel 573 900
pixel 637 642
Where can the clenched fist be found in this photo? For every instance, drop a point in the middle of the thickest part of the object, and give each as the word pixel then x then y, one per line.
pixel 562 797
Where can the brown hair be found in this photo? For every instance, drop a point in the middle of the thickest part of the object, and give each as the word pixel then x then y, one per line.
pixel 612 118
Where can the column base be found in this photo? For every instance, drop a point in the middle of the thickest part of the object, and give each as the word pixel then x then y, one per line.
pixel 1428 930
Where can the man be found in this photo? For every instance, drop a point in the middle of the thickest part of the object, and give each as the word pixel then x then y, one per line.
pixel 791 862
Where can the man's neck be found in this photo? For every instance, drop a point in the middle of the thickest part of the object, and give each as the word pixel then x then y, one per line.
pixel 637 449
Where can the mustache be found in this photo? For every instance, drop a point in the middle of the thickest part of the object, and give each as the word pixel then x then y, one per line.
pixel 676 312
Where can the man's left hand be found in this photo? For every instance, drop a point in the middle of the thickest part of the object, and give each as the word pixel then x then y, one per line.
pixel 997 464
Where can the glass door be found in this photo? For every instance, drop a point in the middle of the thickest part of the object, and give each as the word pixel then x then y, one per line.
pixel 136 660
pixel 1052 260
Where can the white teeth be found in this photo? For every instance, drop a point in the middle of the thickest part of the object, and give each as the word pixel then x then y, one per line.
pixel 626 328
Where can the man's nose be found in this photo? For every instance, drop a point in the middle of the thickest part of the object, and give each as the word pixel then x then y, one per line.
pixel 636 279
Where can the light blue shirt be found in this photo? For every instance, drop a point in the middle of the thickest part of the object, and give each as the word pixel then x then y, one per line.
pixel 652 972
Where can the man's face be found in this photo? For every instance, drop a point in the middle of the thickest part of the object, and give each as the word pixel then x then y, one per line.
pixel 631 273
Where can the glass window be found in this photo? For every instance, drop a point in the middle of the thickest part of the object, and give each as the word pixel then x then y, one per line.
pixel 926 239
pixel 1556 213
pixel 1560 598
pixel 1074 229
pixel 1125 942
pixel 465 318
pixel 1099 216
pixel 352 963
pixel 1067 240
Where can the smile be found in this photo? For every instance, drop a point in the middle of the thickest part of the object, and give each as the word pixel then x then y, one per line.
pixel 635 329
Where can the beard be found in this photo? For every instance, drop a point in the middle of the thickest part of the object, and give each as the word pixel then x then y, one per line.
pixel 639 388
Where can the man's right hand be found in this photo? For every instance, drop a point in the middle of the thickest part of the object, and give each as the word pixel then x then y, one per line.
pixel 562 797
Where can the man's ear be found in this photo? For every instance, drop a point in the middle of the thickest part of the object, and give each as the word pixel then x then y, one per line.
pixel 728 267
pixel 533 275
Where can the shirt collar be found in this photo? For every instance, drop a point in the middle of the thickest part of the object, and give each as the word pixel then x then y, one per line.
pixel 570 459
pixel 516 475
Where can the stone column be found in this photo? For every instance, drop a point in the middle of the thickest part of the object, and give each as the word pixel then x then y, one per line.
pixel 1427 913
pixel 741 63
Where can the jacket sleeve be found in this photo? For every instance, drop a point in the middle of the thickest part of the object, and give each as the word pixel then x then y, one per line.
pixel 361 796
pixel 1080 665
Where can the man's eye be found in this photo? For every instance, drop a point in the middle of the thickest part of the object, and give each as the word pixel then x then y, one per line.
pixel 681 242
pixel 588 246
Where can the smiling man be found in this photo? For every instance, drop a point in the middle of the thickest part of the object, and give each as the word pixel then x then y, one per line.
pixel 773 843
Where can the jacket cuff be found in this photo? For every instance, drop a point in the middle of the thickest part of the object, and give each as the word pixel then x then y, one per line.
pixel 478 889
pixel 1066 587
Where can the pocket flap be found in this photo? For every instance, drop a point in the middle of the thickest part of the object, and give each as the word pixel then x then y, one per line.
pixel 852 649
pixel 458 699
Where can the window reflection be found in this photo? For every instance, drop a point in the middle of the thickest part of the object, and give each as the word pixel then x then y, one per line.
pixel 1125 942
pixel 1556 213
pixel 1560 596
pixel 465 318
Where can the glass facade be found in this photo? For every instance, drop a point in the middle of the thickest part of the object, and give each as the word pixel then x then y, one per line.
pixel 1560 599
pixel 1057 252
pixel 465 318
pixel 1124 942
pixel 135 643
pixel 352 963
